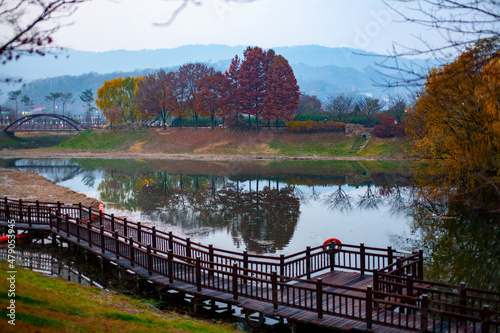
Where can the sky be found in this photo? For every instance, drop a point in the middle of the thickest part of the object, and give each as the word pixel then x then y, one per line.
pixel 101 25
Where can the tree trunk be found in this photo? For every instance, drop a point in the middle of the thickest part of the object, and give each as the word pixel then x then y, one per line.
pixel 195 121
pixel 277 125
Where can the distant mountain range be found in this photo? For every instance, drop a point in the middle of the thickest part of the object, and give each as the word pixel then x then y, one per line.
pixel 320 70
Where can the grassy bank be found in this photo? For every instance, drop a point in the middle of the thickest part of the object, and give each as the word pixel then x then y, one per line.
pixel 220 141
pixel 45 304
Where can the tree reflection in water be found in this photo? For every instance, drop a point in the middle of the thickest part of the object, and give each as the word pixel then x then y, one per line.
pixel 460 244
pixel 262 219
pixel 261 215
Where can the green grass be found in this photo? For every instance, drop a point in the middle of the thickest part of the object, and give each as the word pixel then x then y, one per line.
pixel 388 147
pixel 46 304
pixel 105 140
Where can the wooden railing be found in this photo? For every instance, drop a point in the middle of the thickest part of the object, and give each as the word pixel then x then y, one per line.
pixel 394 301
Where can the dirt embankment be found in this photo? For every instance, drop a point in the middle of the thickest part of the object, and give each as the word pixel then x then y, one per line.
pixel 29 186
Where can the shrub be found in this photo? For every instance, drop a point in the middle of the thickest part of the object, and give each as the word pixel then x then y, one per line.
pixel 311 126
pixel 389 127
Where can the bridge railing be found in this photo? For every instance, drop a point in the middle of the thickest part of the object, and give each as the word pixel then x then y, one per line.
pixel 301 264
pixel 194 266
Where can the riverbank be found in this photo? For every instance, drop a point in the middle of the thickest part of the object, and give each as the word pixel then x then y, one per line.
pixel 205 144
pixel 30 186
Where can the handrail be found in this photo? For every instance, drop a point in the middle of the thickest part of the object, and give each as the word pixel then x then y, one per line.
pixel 206 267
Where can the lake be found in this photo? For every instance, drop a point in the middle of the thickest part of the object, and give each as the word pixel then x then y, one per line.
pixel 280 207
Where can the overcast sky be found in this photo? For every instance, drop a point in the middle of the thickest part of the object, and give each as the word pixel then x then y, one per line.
pixel 101 25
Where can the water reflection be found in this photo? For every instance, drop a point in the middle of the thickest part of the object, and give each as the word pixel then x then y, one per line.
pixel 272 207
pixel 462 245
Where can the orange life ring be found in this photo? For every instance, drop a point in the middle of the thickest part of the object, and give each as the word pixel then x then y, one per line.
pixel 335 244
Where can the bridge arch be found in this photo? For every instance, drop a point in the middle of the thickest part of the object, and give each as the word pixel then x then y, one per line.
pixel 16 124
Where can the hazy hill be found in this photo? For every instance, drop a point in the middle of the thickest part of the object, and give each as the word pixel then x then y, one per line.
pixel 319 70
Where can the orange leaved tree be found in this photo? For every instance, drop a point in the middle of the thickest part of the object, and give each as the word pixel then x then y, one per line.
pixel 455 129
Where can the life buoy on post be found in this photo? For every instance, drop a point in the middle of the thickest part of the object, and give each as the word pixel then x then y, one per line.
pixel 332 243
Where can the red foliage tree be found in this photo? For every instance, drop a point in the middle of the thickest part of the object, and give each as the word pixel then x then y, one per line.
pixel 189 76
pixel 230 104
pixel 208 98
pixel 252 82
pixel 282 93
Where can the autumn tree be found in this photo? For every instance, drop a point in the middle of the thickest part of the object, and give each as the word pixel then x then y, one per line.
pixel 252 83
pixel 154 97
pixel 189 76
pixel 282 92
pixel 208 97
pixel 397 107
pixel 118 94
pixel 456 129
pixel 309 104
pixel 230 103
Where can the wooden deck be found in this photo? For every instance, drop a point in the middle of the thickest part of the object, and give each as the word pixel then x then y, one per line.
pixel 353 288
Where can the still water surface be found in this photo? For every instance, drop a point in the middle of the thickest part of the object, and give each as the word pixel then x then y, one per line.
pixel 282 207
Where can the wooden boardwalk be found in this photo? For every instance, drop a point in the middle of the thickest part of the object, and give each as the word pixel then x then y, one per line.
pixel 353 288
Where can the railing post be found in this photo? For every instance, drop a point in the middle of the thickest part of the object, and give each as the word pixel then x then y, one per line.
pixel 245 264
pixel 100 218
pixel 282 267
pixel 420 265
pixel 112 222
pixel 7 210
pixel 369 311
pixel 125 227
pixel 485 319
pixel 198 273
pixel 153 237
pixel 170 264
pixel 29 217
pixel 20 211
pixel 362 258
pixel 89 233
pixel 409 285
pixel 211 259
pixel 319 297
pixel 101 229
pixel 90 213
pixel 139 231
pixel 80 211
pixel 308 262
pixel 332 258
pixel 462 297
pixel 188 247
pixel 390 258
pixel 376 286
pixel 424 313
pixel 235 281
pixel 274 292
pixel 37 211
pixel 170 241
pixel 67 224
pixel 117 245
pixel 131 249
pixel 150 260
pixel 59 207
